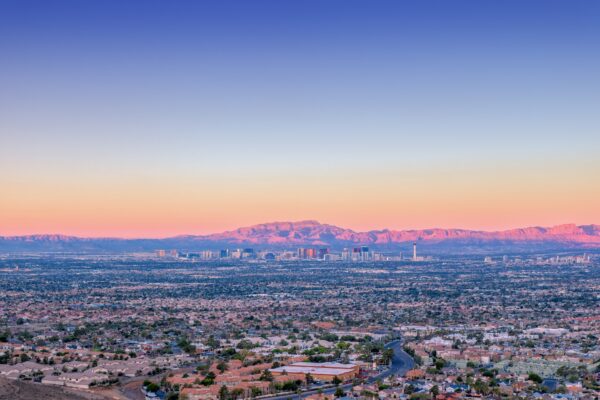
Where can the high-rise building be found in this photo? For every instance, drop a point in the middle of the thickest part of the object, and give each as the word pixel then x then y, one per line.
pixel 322 252
pixel 364 253
pixel 414 251
pixel 236 254
pixel 310 253
pixel 301 253
pixel 356 256
pixel 346 254
pixel 248 253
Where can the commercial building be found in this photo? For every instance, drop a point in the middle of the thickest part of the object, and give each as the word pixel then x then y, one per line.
pixel 320 371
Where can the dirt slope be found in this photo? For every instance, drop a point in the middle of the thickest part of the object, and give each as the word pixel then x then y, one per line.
pixel 19 390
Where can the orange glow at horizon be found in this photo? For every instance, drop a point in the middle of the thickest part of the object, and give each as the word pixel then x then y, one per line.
pixel 491 199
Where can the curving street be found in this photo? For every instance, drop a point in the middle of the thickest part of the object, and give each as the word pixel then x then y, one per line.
pixel 401 363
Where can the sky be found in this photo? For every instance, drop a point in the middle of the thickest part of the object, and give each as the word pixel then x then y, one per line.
pixel 158 118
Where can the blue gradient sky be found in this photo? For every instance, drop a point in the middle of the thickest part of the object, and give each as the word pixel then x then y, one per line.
pixel 361 113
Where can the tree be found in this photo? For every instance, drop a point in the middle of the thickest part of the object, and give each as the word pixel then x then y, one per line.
pixel 535 378
pixel 339 392
pixel 242 355
pixel 255 392
pixel 488 373
pixel 186 346
pixel 410 389
pixel 309 379
pixel 222 366
pixel 209 379
pixel 481 387
pixel 152 387
pixel 440 363
pixel 435 390
pixel 336 381
pixel 266 376
pixel 223 393
pixel 236 393
pixel 386 356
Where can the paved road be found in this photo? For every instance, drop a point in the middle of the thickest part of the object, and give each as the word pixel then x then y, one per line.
pixel 402 362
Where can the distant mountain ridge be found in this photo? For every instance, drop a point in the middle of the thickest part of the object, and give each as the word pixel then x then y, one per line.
pixel 313 233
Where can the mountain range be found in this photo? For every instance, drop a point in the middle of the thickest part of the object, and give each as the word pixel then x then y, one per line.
pixel 280 235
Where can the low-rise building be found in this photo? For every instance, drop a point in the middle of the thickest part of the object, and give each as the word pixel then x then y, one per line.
pixel 320 371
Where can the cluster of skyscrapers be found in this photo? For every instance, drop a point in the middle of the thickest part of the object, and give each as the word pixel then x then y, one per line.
pixel 312 253
pixel 355 254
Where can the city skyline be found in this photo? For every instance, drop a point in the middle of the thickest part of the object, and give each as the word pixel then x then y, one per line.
pixel 155 119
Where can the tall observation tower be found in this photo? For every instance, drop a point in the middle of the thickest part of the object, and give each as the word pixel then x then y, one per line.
pixel 414 251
